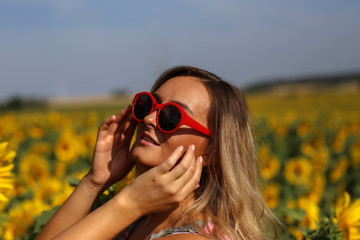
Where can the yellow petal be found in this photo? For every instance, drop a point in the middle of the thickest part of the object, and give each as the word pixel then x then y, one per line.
pixel 6 175
pixel 3 198
pixel 6 186
pixel 3 146
pixel 9 156
pixel 7 168
pixel 342 204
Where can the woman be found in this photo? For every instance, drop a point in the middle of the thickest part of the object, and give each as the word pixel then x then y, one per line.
pixel 227 202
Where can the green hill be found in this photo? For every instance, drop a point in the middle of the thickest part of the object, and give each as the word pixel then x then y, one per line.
pixel 349 82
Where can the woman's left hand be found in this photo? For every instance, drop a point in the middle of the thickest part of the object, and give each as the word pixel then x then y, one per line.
pixel 164 186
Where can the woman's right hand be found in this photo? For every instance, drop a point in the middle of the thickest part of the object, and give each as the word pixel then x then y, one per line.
pixel 164 186
pixel 111 162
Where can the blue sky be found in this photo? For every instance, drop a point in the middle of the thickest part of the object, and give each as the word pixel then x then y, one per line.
pixel 77 47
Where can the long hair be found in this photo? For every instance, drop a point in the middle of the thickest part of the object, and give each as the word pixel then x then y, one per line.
pixel 229 195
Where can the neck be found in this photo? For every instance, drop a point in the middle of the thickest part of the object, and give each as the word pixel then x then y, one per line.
pixel 158 221
pixel 169 218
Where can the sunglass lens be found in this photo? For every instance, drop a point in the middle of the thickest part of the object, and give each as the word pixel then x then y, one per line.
pixel 142 107
pixel 169 118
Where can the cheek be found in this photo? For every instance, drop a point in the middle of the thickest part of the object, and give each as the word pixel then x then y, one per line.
pixel 201 146
pixel 151 157
pixel 176 141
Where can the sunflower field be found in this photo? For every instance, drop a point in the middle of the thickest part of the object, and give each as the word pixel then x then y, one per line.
pixel 308 145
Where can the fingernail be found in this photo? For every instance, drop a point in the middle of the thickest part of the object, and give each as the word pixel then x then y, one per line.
pixel 180 149
pixel 192 147
pixel 201 159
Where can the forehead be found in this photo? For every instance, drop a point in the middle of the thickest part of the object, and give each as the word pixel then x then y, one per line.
pixel 187 90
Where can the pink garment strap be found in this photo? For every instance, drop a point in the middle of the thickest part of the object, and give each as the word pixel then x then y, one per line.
pixel 210 229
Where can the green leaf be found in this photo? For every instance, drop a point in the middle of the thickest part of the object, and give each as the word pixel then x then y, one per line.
pixel 43 219
pixel 3 217
pixel 73 181
pixel 296 213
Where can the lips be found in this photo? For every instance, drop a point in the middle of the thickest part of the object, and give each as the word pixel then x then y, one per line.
pixel 149 139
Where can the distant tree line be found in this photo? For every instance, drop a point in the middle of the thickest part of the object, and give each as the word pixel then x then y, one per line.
pixel 120 92
pixel 319 81
pixel 21 103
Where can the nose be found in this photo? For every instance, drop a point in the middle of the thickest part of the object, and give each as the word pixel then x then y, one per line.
pixel 150 120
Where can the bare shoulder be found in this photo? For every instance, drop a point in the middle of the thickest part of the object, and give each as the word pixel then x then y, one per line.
pixel 184 236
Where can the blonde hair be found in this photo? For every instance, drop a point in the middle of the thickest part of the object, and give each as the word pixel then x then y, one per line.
pixel 229 194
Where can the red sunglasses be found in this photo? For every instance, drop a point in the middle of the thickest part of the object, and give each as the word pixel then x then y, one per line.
pixel 169 117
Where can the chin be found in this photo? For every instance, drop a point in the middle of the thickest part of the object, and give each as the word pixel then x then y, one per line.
pixel 142 158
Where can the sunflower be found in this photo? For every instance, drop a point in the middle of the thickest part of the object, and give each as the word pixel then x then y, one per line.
pixel 270 164
pixel 308 149
pixel 312 146
pixel 54 119
pixel 33 168
pixel 36 131
pixel 279 128
pixel 348 217
pixel 338 144
pixel 87 143
pixel 15 139
pixel 8 124
pixel 303 129
pixel 6 176
pixel 339 170
pixel 320 159
pixel 270 167
pixel 317 188
pixel 21 217
pixel 40 148
pixel 92 119
pixel 271 194
pixel 353 128
pixel 67 147
pixel 312 212
pixel 298 171
pixel 60 197
pixel 295 233
pixel 45 190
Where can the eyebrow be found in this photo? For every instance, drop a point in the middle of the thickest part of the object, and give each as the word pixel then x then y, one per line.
pixel 184 106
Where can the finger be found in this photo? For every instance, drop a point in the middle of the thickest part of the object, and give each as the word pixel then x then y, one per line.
pixel 114 118
pixel 170 162
pixel 106 123
pixel 193 182
pixel 188 173
pixel 185 187
pixel 182 167
pixel 130 132
pixel 124 125
pixel 123 120
pixel 124 132
pixel 113 128
pixel 123 114
pixel 123 138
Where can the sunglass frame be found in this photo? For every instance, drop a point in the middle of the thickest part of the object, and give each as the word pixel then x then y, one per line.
pixel 184 120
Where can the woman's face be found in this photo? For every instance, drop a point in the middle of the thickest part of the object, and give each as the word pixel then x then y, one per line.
pixel 152 146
